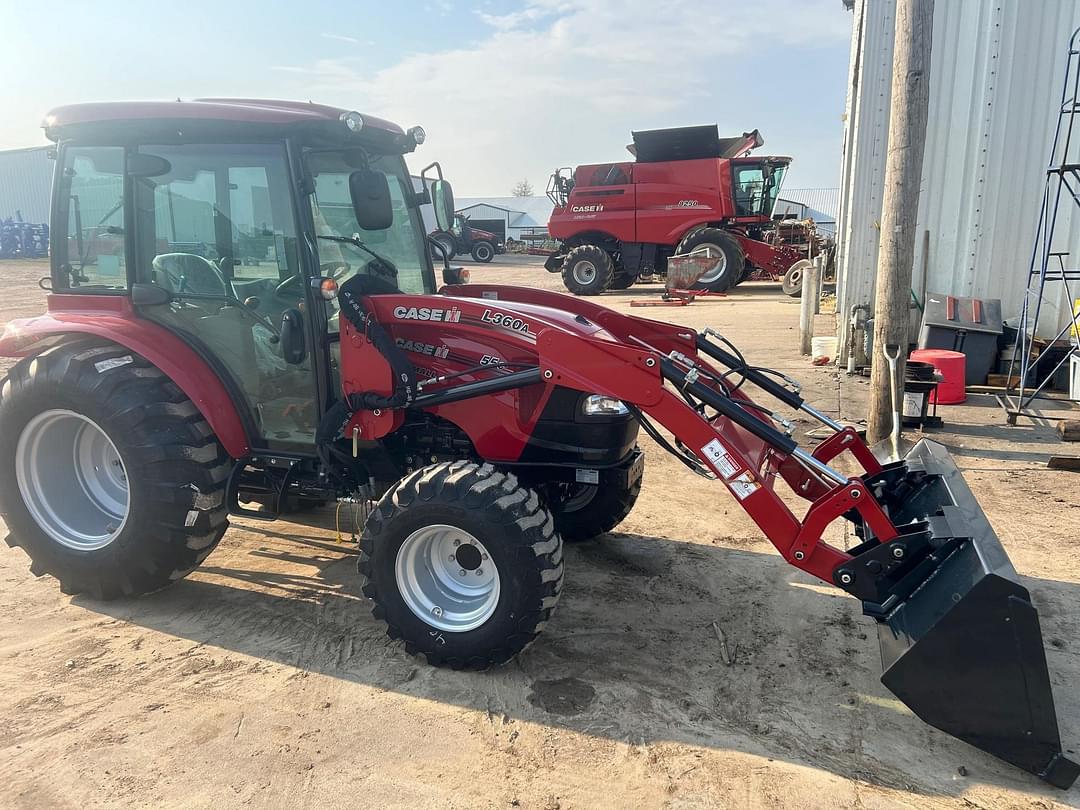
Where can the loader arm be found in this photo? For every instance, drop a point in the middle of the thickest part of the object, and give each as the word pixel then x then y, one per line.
pixel 959 636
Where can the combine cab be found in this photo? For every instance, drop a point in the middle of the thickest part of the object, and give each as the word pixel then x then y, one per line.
pixel 687 191
pixel 306 353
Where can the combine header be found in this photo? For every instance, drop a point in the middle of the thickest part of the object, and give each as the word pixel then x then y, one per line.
pixel 164 390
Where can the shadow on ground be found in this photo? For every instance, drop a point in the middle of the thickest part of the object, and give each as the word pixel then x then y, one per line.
pixel 632 654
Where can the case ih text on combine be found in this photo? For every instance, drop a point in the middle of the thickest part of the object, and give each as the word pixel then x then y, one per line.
pixel 164 391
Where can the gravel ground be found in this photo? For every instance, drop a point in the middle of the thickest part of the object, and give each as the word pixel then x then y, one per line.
pixel 263 680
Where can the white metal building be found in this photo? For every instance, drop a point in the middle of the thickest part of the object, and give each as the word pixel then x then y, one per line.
pixel 510 217
pixel 995 85
pixel 818 204
pixel 26 183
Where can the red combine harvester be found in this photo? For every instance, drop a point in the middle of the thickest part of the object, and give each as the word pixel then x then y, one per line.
pixel 165 390
pixel 688 190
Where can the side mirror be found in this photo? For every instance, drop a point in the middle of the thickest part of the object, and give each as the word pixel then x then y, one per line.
pixel 371 201
pixel 442 199
pixel 293 349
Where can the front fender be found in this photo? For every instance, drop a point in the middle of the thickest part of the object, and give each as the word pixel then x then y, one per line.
pixel 182 365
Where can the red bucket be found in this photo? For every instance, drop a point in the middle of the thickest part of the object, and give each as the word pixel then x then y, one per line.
pixel 952 367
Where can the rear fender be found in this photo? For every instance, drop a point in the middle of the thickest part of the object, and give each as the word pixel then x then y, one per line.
pixel 25 338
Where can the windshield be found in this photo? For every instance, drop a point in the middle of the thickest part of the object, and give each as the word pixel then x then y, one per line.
pixel 755 191
pixel 402 244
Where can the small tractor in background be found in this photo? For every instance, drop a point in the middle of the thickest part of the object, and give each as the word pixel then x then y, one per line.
pixel 687 191
pixel 307 353
pixel 461 238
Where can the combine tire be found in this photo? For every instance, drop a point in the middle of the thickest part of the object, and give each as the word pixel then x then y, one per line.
pixel 483 252
pixel 587 270
pixel 463 564
pixel 584 511
pixel 110 479
pixel 717 243
pixel 793 278
pixel 622 281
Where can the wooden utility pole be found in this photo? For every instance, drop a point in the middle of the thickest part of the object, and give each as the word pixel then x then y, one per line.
pixel 900 203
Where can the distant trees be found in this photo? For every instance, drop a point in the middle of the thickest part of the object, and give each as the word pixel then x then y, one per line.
pixel 523 188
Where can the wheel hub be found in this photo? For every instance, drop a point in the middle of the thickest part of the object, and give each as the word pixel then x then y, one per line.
pixel 584 272
pixel 711 251
pixel 447 578
pixel 72 479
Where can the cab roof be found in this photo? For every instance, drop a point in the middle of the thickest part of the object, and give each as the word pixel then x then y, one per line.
pixel 202 115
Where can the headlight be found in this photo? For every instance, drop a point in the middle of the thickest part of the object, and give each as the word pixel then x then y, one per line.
pixel 601 405
pixel 353 120
pixel 417 134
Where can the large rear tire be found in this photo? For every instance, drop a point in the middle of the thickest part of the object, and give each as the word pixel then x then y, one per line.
pixel 447 243
pixel 463 564
pixel 622 281
pixel 110 478
pixel 587 270
pixel 716 243
pixel 483 252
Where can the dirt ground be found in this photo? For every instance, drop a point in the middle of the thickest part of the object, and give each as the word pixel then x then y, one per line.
pixel 263 680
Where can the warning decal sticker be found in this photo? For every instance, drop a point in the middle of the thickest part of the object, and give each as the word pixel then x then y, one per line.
pixel 721 460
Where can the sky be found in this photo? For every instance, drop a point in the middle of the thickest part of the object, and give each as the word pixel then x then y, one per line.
pixel 506 89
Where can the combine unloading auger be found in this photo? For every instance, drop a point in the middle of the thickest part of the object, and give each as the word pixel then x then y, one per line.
pixel 960 639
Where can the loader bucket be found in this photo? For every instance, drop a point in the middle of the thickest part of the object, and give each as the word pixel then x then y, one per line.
pixel 964 650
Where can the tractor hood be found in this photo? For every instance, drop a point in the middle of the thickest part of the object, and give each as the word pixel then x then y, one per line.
pixel 690 143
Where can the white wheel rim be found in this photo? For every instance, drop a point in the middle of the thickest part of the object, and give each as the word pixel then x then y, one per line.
pixel 447 578
pixel 72 480
pixel 711 251
pixel 584 272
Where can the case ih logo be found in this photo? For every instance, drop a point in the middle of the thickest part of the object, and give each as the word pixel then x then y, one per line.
pixel 419 347
pixel 506 321
pixel 452 315
pixel 586 209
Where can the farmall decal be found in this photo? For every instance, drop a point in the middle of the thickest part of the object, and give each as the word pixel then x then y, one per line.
pixel 419 347
pixel 586 209
pixel 452 315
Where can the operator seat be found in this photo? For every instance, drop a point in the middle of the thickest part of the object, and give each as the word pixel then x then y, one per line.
pixel 188 273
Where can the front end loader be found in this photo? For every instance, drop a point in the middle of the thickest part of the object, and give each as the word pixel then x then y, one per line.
pixel 167 389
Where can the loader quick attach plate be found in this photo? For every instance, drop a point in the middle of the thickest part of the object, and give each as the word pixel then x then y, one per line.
pixel 964 650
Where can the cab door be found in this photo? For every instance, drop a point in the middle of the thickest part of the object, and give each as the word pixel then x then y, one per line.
pixel 216 233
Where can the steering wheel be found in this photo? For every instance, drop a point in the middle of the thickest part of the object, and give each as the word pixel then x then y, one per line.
pixel 190 273
pixel 334 270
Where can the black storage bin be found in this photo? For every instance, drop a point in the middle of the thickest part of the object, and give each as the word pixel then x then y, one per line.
pixel 968 325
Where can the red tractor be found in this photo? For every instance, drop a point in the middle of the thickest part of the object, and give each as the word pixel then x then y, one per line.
pixel 461 237
pixel 307 354
pixel 687 191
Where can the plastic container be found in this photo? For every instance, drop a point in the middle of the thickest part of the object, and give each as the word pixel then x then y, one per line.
pixel 823 350
pixel 968 325
pixel 952 366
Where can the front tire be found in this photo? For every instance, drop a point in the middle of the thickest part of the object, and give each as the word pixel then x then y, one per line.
pixel 585 511
pixel 110 478
pixel 716 243
pixel 622 281
pixel 492 599
pixel 587 270
pixel 483 252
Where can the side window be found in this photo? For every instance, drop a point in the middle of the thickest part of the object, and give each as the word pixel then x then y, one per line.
pixel 749 191
pixel 92 255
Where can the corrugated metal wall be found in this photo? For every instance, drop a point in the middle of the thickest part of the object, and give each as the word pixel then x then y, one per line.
pixel 25 183
pixel 995 85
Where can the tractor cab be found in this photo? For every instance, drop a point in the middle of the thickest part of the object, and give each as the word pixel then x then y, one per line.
pixel 235 234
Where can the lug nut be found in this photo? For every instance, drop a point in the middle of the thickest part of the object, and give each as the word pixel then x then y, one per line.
pixel 436 611
pixel 453 557
pixel 457 542
pixel 479 572
pixel 483 556
pixel 462 572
